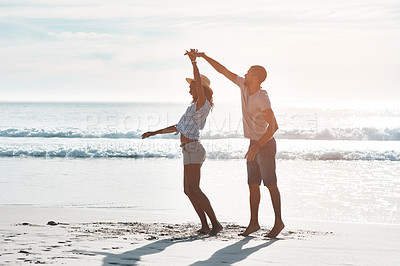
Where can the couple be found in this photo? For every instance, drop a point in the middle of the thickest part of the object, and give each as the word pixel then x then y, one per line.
pixel 259 126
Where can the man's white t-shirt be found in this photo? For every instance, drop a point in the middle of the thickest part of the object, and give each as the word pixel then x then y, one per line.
pixel 254 124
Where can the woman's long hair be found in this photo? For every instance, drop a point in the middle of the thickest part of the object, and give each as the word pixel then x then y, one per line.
pixel 209 95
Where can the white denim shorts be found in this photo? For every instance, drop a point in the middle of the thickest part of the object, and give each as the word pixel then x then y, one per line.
pixel 193 153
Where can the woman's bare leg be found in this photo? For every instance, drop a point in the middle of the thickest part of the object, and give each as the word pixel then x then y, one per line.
pixel 200 212
pixel 201 202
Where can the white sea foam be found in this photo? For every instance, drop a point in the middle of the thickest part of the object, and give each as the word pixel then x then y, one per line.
pixel 102 130
pixel 216 149
pixel 387 134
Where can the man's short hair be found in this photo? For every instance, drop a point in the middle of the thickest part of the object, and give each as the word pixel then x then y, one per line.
pixel 260 72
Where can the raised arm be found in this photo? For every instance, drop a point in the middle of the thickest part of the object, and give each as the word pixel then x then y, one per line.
pixel 201 98
pixel 170 129
pixel 220 68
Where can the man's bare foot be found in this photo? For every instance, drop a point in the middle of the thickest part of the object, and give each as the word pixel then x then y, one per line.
pixel 250 229
pixel 204 230
pixel 278 227
pixel 216 229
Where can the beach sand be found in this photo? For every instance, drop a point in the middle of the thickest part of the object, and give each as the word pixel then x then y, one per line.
pixel 122 237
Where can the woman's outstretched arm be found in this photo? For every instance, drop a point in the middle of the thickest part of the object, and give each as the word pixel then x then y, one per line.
pixel 170 129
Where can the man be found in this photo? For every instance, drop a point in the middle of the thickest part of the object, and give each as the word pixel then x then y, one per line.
pixel 259 125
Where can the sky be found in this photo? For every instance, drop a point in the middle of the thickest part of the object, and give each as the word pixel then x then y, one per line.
pixel 130 50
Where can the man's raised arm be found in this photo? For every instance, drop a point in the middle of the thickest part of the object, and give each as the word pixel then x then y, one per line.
pixel 220 68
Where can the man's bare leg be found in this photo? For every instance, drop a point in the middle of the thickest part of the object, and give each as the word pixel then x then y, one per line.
pixel 254 204
pixel 276 203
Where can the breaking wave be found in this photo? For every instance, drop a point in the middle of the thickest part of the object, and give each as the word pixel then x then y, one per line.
pixel 370 133
pixel 172 151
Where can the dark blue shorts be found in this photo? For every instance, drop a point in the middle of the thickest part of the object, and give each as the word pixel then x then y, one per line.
pixel 264 166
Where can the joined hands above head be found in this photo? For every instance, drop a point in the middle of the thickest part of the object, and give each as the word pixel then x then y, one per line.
pixel 193 54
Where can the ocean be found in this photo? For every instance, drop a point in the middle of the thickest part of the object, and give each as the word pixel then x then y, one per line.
pixel 337 162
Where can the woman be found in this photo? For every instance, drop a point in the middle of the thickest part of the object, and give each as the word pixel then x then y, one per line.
pixel 194 154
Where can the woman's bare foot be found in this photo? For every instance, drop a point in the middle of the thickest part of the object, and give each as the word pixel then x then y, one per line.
pixel 216 229
pixel 203 230
pixel 278 227
pixel 250 229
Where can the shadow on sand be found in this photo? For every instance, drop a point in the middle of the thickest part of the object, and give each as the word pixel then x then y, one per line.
pixel 133 256
pixel 233 253
pixel 226 256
